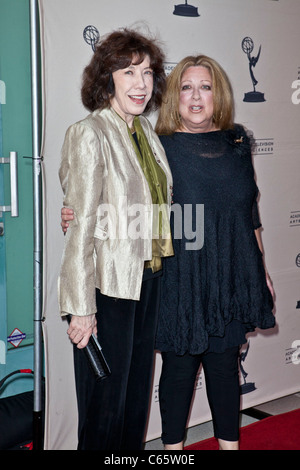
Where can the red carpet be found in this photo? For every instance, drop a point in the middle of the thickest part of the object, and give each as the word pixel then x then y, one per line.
pixel 280 432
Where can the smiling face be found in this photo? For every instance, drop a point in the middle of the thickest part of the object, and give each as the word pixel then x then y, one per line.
pixel 196 100
pixel 133 90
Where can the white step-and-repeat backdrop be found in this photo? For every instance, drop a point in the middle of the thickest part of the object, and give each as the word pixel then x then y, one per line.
pixel 248 37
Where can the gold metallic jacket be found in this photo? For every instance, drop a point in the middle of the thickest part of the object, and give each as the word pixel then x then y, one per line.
pixel 102 180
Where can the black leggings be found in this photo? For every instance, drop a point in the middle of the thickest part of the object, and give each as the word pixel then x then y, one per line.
pixel 176 389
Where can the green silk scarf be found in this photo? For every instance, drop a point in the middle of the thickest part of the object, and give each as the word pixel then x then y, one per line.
pixel 157 181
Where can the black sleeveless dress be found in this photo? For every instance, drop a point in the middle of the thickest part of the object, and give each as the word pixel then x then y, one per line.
pixel 212 296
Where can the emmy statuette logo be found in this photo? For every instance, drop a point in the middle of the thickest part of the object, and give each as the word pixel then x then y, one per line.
pixel 252 96
pixel 91 36
pixel 185 9
pixel 246 387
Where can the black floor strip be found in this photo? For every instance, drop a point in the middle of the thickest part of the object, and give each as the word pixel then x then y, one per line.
pixel 254 413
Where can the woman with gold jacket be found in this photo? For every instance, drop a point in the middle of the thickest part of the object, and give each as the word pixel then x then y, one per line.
pixel 114 172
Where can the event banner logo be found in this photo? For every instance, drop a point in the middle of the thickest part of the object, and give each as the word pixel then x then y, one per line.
pixel 245 387
pixel 169 66
pixel 252 96
pixel 185 9
pixel 91 36
pixel 294 219
pixel 292 354
pixel 263 146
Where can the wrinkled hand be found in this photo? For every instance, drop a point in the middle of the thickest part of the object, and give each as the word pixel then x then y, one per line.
pixel 81 328
pixel 66 215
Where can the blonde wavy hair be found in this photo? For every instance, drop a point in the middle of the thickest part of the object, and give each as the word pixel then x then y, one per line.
pixel 169 120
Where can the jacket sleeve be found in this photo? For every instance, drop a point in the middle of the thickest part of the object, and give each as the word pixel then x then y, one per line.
pixel 81 177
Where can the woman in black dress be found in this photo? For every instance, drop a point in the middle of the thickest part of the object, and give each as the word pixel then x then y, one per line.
pixel 212 294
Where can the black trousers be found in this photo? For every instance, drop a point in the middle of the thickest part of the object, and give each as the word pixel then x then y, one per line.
pixel 113 411
pixel 222 386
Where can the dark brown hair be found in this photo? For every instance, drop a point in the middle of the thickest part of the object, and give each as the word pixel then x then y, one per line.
pixel 115 52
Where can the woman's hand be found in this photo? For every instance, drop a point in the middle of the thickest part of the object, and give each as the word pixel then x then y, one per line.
pixel 81 328
pixel 66 215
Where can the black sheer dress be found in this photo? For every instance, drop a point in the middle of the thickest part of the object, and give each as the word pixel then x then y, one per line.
pixel 211 297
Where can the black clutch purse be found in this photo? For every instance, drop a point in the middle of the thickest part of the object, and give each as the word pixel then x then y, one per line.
pixel 95 356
